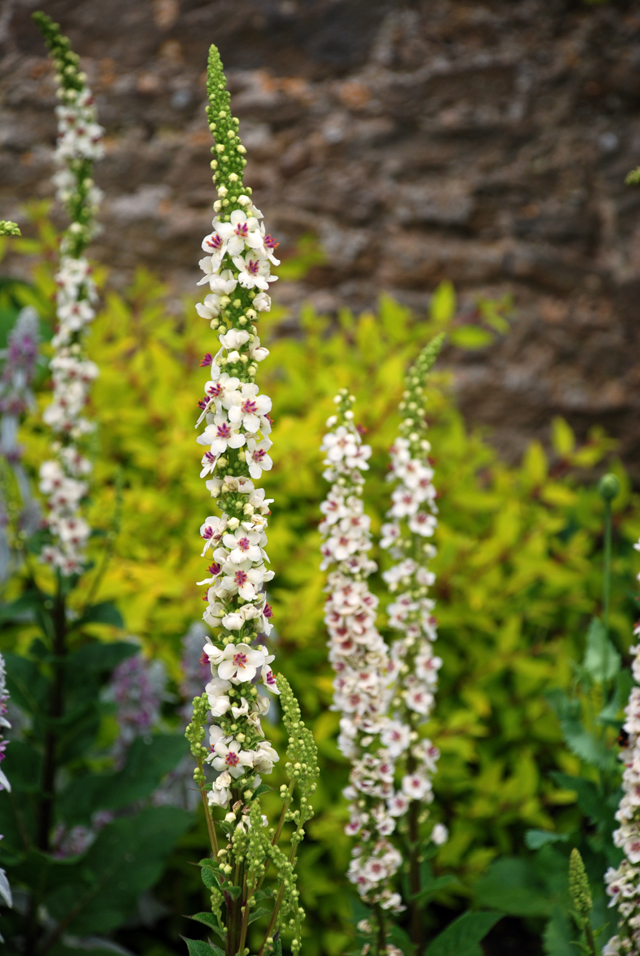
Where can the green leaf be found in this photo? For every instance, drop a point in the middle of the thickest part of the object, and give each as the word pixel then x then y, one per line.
pixel 257 914
pixel 442 306
pixel 209 877
pixel 101 656
pixel 103 613
pixel 27 685
pixel 148 760
pixel 233 891
pixel 562 437
pixel 590 800
pixel 401 939
pixel 208 919
pixel 470 337
pixel 463 936
pixel 558 938
pixel 514 886
pixel 128 856
pixel 198 947
pixel 22 609
pixel 534 839
pixel 439 883
pixel 601 659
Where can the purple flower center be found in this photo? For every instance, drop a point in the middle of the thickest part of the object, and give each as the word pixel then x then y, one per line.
pixel 214 242
pixel 224 431
pixel 241 578
pixel 244 544
pixel 240 659
pixel 258 455
pixel 270 242
pixel 242 230
pixel 249 407
pixel 232 760
pixel 253 266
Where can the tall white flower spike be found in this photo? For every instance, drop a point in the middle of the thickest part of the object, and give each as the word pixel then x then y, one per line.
pixel 360 659
pixel 63 478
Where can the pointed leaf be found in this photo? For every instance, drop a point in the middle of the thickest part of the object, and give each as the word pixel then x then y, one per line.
pixel 601 659
pixel 463 936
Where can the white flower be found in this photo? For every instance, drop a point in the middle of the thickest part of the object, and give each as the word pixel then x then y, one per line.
pixel 257 458
pixel 415 786
pixel 239 663
pixel 248 408
pixel 220 794
pixel 241 231
pixel 243 546
pixel 395 736
pixel 265 757
pixel 262 302
pixel 439 834
pixel 253 271
pixel 210 308
pixel 219 435
pixel 231 757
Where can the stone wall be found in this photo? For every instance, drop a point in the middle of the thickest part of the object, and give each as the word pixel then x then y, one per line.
pixel 484 142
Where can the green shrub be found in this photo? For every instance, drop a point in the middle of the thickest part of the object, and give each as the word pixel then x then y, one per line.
pixel 517 571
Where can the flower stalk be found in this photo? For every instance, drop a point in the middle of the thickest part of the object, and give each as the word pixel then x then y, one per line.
pixel 363 672
pixel 236 427
pixel 62 477
pixel 412 521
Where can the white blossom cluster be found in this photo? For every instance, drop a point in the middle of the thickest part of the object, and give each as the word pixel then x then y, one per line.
pixel 236 436
pixel 623 883
pixel 360 659
pixel 63 478
pixel 411 523
pixel 5 889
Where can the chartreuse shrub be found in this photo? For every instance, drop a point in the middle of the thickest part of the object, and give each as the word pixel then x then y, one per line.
pixel 517 574
pixel 57 776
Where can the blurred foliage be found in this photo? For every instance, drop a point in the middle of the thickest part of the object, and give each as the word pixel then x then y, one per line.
pixel 517 571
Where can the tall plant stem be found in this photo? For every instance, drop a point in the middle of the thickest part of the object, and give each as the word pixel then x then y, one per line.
pixel 381 931
pixel 211 829
pixel 417 923
pixel 56 711
pixel 591 943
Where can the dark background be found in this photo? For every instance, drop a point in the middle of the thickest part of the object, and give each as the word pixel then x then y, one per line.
pixel 482 142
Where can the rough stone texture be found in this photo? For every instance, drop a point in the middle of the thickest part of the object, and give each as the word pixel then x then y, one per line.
pixel 485 142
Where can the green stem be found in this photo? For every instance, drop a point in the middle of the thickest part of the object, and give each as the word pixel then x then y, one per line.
pixel 381 931
pixel 56 711
pixel 591 943
pixel 211 829
pixel 417 927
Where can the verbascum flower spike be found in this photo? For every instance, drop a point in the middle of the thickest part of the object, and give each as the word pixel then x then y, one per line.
pixel 360 659
pixel 63 477
pixel 5 889
pixel 226 732
pixel 406 535
pixel 623 882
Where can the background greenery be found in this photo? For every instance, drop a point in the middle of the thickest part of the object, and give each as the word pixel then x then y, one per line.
pixel 518 568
